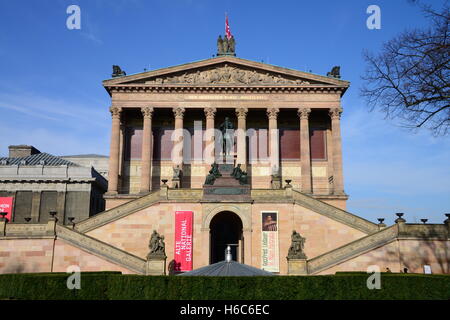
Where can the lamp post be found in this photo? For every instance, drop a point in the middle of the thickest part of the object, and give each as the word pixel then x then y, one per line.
pixel 71 219
pixel 399 219
pixel 3 214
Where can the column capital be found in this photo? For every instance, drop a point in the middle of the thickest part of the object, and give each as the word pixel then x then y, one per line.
pixel 303 113
pixel 115 111
pixel 178 112
pixel 272 113
pixel 335 113
pixel 210 112
pixel 241 112
pixel 147 112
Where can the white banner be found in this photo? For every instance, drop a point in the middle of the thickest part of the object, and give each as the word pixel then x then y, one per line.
pixel 269 242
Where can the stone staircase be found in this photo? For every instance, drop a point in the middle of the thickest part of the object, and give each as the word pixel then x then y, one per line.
pixel 117 212
pixel 334 213
pixel 101 249
pixel 352 249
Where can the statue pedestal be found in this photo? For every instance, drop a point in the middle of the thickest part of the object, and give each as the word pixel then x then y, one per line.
pixel 176 183
pixel 276 182
pixel 297 267
pixel 156 266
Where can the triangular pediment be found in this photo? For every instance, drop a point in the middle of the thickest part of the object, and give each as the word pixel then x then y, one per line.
pixel 226 71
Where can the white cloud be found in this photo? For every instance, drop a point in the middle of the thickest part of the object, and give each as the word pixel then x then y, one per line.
pixel 52 109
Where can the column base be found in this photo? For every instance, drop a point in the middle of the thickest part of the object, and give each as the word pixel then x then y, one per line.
pixel 155 267
pixel 297 267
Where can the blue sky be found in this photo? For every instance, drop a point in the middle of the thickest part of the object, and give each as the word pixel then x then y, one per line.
pixel 51 94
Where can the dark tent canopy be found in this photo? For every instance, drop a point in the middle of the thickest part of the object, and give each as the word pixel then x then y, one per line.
pixel 227 268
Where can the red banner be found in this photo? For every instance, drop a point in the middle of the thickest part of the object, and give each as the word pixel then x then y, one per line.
pixel 6 205
pixel 183 240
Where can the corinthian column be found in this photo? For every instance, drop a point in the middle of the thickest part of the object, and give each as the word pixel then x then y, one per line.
pixel 146 157
pixel 114 151
pixel 338 177
pixel 177 151
pixel 209 135
pixel 272 114
pixel 241 134
pixel 305 153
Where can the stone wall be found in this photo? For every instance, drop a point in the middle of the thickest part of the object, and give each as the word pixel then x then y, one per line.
pixel 26 255
pixel 47 255
pixel 67 255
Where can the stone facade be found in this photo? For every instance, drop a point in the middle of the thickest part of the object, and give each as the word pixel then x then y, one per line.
pixel 164 120
pixel 118 238
pixel 303 109
pixel 40 183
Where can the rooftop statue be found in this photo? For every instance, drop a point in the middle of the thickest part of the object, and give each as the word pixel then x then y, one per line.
pixel 219 45
pixel 226 46
pixel 335 72
pixel 117 72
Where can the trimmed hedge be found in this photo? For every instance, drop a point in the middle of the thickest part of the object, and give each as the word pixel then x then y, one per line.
pixel 110 285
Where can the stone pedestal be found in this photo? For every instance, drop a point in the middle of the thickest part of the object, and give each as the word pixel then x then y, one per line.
pixel 51 226
pixel 3 222
pixel 288 190
pixel 297 267
pixel 275 182
pixel 156 267
pixel 226 187
pixel 176 183
pixel 164 192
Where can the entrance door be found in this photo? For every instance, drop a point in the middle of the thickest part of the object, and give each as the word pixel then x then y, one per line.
pixel 226 230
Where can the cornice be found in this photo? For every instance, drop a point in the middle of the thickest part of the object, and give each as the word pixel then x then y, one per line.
pixel 176 89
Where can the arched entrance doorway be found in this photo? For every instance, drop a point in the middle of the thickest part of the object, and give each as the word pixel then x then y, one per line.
pixel 226 229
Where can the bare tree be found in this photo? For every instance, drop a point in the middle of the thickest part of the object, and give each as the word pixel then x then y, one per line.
pixel 409 79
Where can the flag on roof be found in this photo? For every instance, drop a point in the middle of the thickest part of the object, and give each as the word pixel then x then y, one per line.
pixel 227 28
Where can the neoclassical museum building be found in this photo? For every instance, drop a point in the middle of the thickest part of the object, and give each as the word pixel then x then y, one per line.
pixel 225 152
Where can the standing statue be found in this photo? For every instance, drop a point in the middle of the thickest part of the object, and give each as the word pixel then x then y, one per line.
pixel 297 246
pixel 177 172
pixel 220 45
pixel 231 44
pixel 227 136
pixel 225 45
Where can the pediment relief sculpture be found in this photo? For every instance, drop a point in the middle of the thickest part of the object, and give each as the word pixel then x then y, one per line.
pixel 227 74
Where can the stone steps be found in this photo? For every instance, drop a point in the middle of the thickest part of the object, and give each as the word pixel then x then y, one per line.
pixel 101 249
